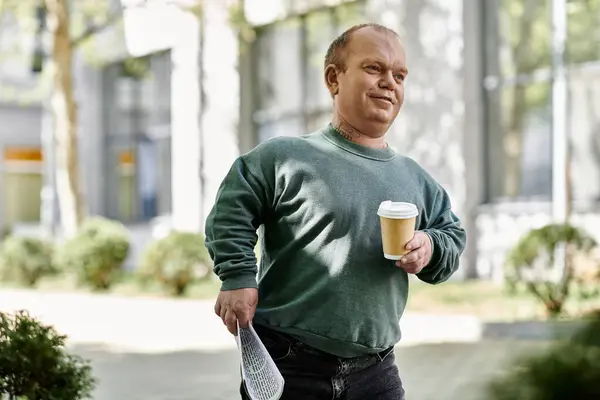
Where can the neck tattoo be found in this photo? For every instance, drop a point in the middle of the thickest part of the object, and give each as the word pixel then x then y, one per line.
pixel 348 132
pixel 351 134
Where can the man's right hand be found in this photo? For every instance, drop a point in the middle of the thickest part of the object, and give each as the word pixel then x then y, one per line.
pixel 236 305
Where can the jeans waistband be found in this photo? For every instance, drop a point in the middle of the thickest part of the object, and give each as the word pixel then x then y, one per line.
pixel 344 365
pixel 349 365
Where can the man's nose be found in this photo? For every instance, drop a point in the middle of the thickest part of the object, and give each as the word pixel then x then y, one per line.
pixel 387 81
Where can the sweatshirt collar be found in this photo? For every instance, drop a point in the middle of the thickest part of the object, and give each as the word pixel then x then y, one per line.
pixel 334 136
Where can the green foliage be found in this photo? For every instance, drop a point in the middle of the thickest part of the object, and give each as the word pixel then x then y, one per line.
pixel 528 30
pixel 192 6
pixel 136 67
pixel 83 15
pixel 527 27
pixel 545 240
pixel 176 261
pixel 586 287
pixel 91 13
pixel 25 260
pixel 525 30
pixel 583 25
pixel 589 335
pixel 35 365
pixel 96 254
pixel 535 251
pixel 237 19
pixel 568 370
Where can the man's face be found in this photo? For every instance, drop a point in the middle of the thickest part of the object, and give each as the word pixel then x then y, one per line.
pixel 371 90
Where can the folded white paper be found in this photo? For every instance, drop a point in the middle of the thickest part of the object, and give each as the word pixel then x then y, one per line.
pixel 263 379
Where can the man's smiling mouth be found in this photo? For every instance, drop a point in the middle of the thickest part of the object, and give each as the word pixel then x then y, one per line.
pixel 386 98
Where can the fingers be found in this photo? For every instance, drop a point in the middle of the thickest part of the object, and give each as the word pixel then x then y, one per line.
pixel 413 268
pixel 415 243
pixel 231 321
pixel 236 307
pixel 230 315
pixel 223 313
pixel 244 313
pixel 412 257
pixel 413 262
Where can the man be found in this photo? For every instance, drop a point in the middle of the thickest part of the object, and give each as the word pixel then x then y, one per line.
pixel 327 303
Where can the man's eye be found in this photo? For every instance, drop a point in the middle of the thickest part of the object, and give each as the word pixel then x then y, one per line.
pixel 373 68
pixel 400 77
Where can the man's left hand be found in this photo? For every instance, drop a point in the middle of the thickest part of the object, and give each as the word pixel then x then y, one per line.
pixel 419 256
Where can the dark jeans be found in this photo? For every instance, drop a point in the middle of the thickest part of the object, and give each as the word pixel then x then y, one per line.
pixel 311 374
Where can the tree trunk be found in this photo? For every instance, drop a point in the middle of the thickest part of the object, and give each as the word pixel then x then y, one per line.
pixel 513 144
pixel 569 178
pixel 554 309
pixel 65 118
pixel 513 139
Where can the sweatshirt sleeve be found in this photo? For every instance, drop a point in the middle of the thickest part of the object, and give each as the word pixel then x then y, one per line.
pixel 240 208
pixel 447 236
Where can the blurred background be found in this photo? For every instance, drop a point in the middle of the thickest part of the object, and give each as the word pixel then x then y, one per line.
pixel 120 118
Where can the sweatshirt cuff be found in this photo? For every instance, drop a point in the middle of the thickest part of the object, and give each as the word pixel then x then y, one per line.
pixel 242 281
pixel 433 258
pixel 432 243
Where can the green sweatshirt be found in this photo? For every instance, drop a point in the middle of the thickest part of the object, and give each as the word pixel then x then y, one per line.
pixel 323 277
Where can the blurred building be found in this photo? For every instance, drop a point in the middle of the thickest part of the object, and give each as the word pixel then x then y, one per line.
pixel 20 126
pixel 159 133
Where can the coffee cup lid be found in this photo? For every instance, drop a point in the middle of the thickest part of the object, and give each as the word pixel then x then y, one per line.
pixel 400 210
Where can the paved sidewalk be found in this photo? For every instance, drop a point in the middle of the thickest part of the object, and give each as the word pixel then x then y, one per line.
pixel 450 371
pixel 149 348
pixel 149 324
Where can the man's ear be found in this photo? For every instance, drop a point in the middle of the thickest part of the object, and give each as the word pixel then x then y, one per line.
pixel 332 79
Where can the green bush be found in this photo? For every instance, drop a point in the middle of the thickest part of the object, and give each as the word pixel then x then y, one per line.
pixel 589 335
pixel 568 370
pixel 35 365
pixel 535 252
pixel 25 260
pixel 96 254
pixel 176 261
